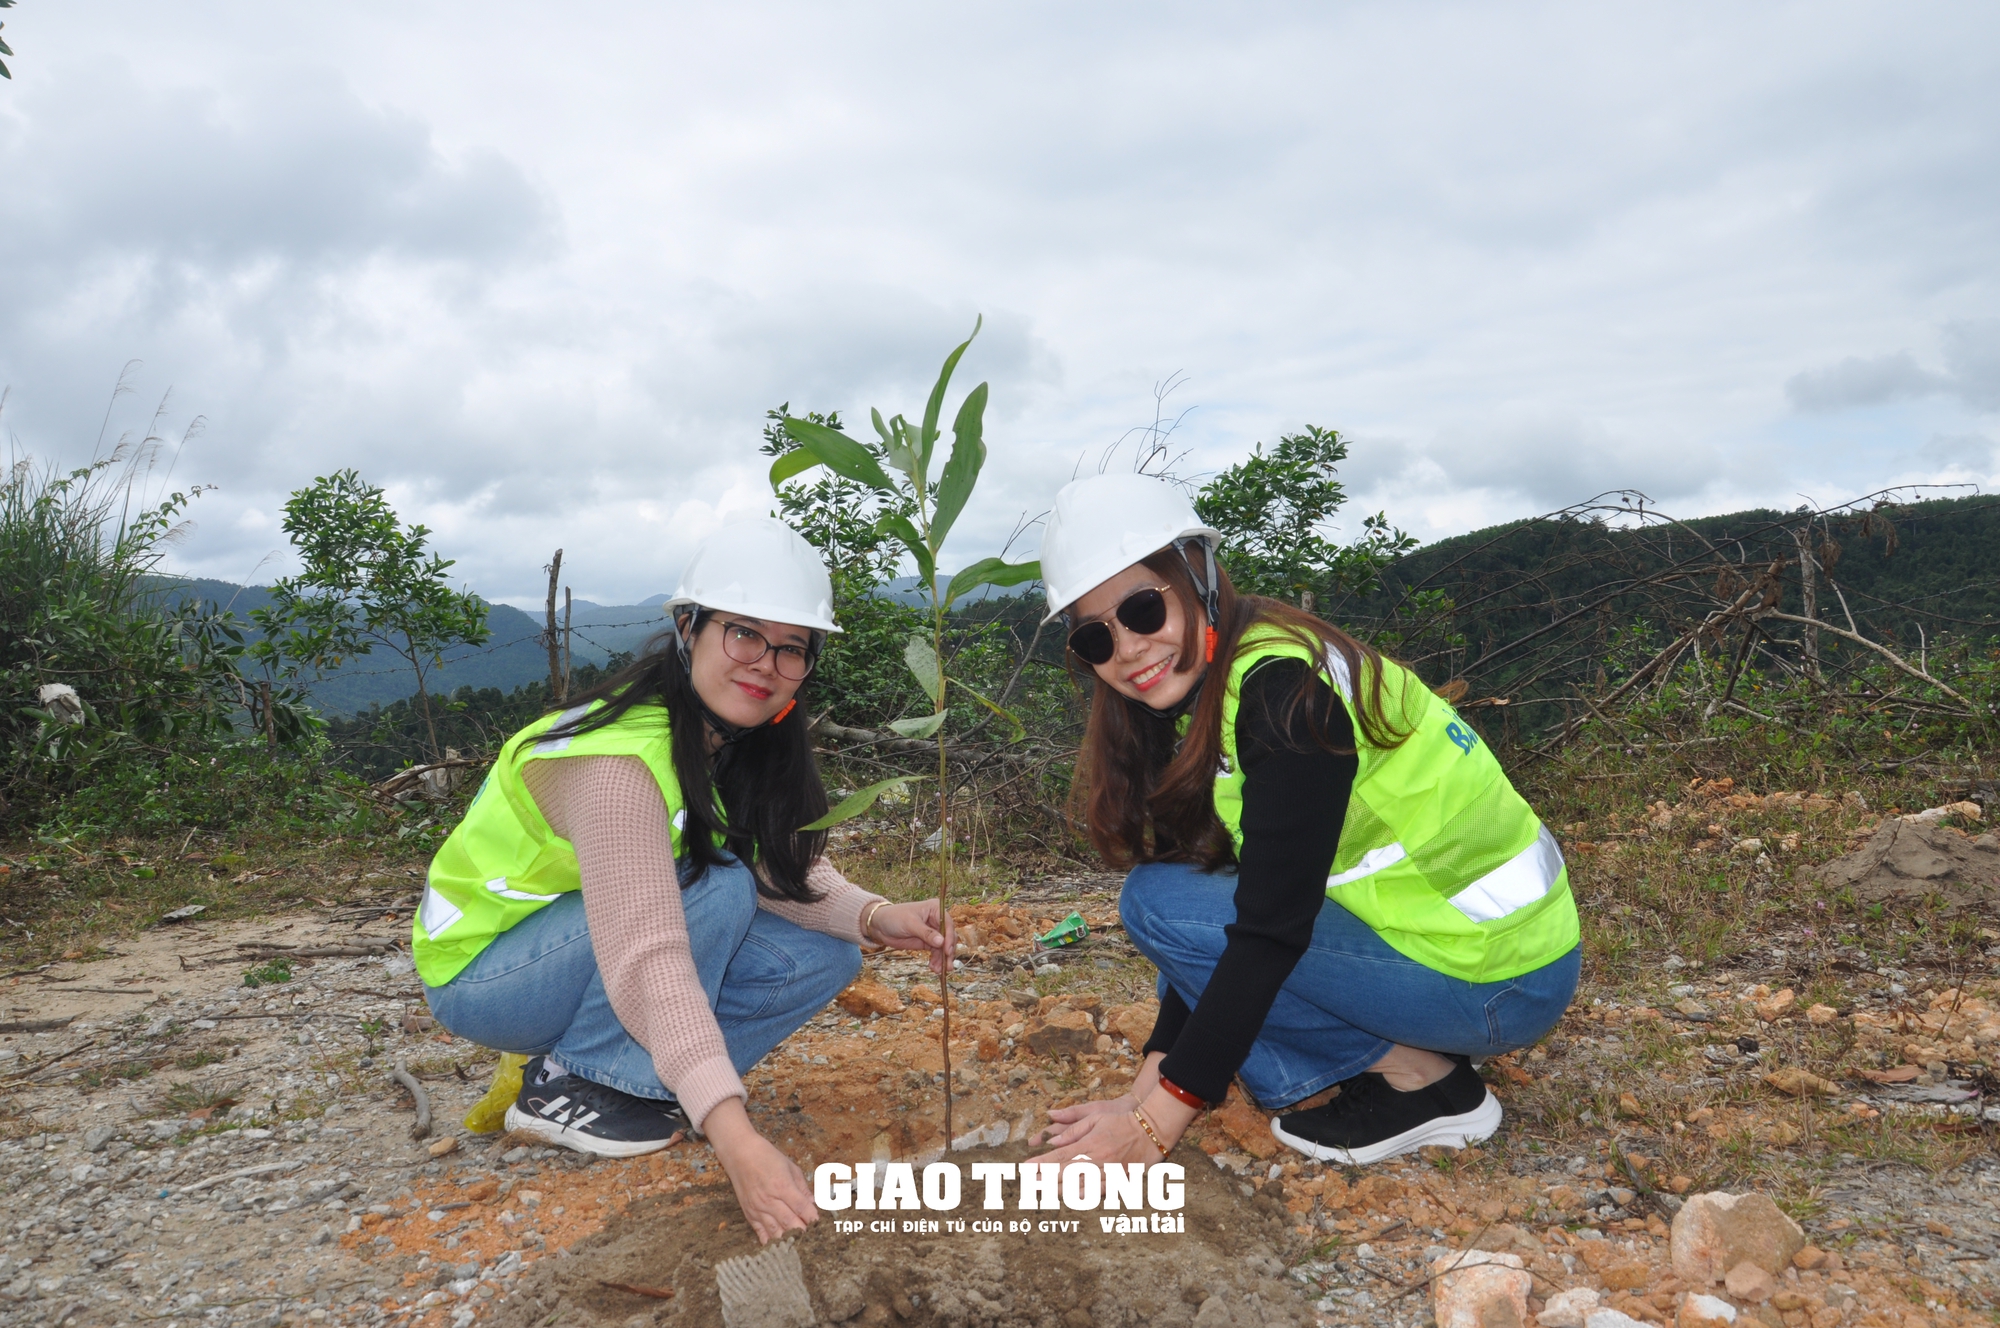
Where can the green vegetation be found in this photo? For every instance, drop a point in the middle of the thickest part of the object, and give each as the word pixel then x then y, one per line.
pixel 98 688
pixel 384 739
pixel 269 973
pixel 367 582
pixel 1273 510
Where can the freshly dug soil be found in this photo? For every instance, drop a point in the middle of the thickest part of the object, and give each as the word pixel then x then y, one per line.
pixel 1229 1266
pixel 1909 863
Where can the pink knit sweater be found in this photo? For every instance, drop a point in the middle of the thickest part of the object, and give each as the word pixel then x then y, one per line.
pixel 609 808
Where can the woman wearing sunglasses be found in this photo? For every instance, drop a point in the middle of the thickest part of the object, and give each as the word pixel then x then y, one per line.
pixel 629 898
pixel 1331 872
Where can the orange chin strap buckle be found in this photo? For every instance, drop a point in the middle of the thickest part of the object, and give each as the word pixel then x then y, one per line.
pixel 1211 645
pixel 779 718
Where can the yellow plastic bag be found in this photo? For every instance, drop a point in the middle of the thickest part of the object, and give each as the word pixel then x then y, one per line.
pixel 490 1112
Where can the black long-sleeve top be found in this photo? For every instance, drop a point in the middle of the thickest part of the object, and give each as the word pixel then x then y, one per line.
pixel 1295 796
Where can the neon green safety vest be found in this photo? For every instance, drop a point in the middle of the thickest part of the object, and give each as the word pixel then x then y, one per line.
pixel 1438 853
pixel 503 861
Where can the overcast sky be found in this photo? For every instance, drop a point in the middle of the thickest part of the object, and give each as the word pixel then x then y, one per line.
pixel 540 270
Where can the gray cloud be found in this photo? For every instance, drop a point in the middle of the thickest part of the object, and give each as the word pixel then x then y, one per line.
pixel 1963 451
pixel 1972 357
pixel 1864 382
pixel 1971 374
pixel 1552 250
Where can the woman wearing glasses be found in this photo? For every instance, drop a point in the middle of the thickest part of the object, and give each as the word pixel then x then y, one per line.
pixel 629 898
pixel 1334 878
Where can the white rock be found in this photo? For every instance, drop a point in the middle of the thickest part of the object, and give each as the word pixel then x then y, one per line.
pixel 1610 1318
pixel 1568 1309
pixel 1472 1288
pixel 1700 1311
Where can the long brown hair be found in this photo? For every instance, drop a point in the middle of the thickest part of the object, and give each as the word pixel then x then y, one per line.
pixel 1135 774
pixel 767 780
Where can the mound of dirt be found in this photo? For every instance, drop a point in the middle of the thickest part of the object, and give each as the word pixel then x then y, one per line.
pixel 1228 1267
pixel 1910 862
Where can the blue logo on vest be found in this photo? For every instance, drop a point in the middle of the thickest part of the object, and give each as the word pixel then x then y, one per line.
pixel 1462 737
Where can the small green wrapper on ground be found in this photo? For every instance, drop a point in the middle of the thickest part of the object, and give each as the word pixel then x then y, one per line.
pixel 1067 932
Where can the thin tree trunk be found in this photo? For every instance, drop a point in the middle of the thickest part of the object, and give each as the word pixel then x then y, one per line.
pixel 416 659
pixel 569 607
pixel 270 721
pixel 558 693
pixel 944 861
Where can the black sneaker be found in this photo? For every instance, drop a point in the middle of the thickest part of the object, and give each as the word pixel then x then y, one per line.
pixel 591 1118
pixel 1370 1120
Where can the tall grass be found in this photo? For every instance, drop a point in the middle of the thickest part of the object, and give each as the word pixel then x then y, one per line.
pixel 80 553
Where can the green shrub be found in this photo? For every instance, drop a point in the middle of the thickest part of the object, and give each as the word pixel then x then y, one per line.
pixel 269 973
pixel 78 554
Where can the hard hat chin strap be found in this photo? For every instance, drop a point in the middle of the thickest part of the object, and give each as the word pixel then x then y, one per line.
pixel 1207 585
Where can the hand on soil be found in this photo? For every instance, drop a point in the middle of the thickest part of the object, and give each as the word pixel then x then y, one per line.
pixel 769 1186
pixel 915 926
pixel 1102 1131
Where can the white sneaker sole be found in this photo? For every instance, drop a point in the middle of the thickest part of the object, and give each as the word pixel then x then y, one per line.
pixel 521 1122
pixel 1444 1131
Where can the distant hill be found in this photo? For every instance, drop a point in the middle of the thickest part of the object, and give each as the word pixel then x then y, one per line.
pixel 513 655
pixel 1906 573
pixel 910 590
pixel 1938 570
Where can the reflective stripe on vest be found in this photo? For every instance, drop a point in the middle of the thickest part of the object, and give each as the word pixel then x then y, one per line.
pixel 503 862
pixel 1515 883
pixel 1438 853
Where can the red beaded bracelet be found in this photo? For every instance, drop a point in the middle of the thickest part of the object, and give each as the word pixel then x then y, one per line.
pixel 1182 1094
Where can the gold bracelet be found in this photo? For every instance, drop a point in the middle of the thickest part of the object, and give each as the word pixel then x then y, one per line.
pixel 868 920
pixel 1147 1126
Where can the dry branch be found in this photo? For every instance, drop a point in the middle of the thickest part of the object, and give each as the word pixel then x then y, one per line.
pixel 356 948
pixel 893 743
pixel 1897 660
pixel 422 1125
pixel 400 783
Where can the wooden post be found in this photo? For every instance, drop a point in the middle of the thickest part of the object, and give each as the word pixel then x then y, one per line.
pixel 556 689
pixel 568 608
pixel 1809 598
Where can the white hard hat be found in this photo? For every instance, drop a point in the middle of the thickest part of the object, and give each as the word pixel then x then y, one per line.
pixel 760 568
pixel 1102 524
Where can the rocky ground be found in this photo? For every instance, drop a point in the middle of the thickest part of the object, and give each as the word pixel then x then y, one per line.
pixel 182 1148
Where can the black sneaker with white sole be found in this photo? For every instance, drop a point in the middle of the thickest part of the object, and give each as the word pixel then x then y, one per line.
pixel 1370 1120
pixel 592 1118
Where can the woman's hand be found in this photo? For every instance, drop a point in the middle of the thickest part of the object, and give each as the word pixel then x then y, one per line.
pixel 1107 1131
pixel 915 926
pixel 770 1188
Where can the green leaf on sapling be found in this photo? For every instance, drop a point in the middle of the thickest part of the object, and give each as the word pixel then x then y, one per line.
pixel 858 802
pixel 922 727
pixel 1020 730
pixel 841 454
pixel 968 454
pixel 991 572
pixel 923 662
pixel 792 463
pixel 935 405
pixel 899 526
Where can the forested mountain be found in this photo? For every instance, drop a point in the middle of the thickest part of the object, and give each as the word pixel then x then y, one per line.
pixel 1934 565
pixel 513 655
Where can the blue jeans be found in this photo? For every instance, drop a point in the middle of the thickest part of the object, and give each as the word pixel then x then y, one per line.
pixel 536 989
pixel 1351 997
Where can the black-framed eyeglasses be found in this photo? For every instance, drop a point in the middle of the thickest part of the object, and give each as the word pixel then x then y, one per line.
pixel 747 645
pixel 1143 612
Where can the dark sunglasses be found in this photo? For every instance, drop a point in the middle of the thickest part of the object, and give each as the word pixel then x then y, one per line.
pixel 1143 612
